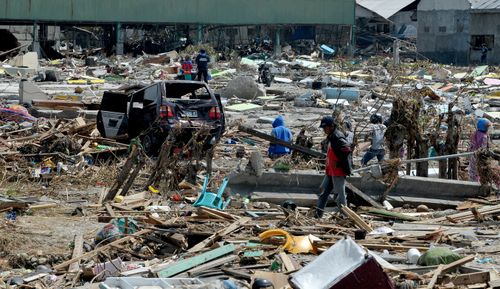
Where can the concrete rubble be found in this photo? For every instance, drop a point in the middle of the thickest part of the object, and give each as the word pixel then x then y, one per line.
pixel 83 211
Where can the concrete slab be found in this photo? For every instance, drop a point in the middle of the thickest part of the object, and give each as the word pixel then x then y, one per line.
pixel 305 200
pixel 431 203
pixel 431 190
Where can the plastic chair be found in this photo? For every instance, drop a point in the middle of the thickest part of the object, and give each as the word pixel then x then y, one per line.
pixel 210 199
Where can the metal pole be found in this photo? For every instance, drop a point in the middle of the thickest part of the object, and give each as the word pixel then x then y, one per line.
pixel 277 42
pixel 119 39
pixel 438 158
pixel 200 34
pixel 36 41
pixel 421 160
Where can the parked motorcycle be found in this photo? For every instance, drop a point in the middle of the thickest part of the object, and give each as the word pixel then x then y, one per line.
pixel 265 75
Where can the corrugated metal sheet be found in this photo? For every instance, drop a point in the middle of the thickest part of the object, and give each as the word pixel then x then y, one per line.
pixel 385 8
pixel 485 4
pixel 185 11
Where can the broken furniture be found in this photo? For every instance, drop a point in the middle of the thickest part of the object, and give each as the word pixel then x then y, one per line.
pixel 210 199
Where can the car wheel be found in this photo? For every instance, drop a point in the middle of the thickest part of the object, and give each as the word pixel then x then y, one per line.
pixel 147 144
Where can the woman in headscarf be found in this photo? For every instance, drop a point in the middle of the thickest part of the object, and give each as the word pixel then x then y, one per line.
pixel 479 140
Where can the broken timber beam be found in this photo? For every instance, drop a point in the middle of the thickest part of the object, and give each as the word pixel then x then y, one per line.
pixel 452 265
pixel 277 141
pixel 77 252
pixel 173 269
pixel 98 250
pixel 213 238
pixel 211 265
pixel 362 195
pixel 467 279
pixel 124 173
pixel 434 278
pixel 360 223
pixel 464 216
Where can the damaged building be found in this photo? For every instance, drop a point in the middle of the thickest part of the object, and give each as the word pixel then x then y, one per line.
pixel 234 144
pixel 151 32
pixel 454 31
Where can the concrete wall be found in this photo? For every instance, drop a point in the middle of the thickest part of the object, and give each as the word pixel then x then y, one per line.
pixel 23 33
pixel 432 5
pixel 309 183
pixel 486 24
pixel 450 46
pixel 404 18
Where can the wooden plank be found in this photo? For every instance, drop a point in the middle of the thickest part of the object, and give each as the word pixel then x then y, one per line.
pixel 281 142
pixel 362 195
pixel 100 249
pixel 217 214
pixel 137 271
pixel 434 278
pixel 124 173
pixel 393 247
pixel 43 206
pixel 186 264
pixel 360 223
pixel 453 265
pixel 467 279
pixel 213 238
pixel 213 264
pixel 494 284
pixel 77 252
pixel 237 274
pixel 34 277
pixel 434 203
pixel 389 215
pixel 305 199
pixel 465 215
pixel 287 262
pixel 110 211
pixel 57 103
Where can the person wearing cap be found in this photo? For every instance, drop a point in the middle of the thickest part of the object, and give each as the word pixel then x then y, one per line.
pixel 377 132
pixel 479 140
pixel 338 166
pixel 202 61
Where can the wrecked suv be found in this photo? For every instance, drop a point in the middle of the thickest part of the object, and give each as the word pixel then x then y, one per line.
pixel 152 112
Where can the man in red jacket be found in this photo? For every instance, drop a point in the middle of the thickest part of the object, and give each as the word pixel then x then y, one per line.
pixel 338 166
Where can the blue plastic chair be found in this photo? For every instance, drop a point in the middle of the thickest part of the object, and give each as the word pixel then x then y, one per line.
pixel 210 199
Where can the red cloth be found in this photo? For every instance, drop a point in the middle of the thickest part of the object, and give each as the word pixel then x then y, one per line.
pixel 332 164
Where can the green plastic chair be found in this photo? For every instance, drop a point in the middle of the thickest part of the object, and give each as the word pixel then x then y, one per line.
pixel 210 199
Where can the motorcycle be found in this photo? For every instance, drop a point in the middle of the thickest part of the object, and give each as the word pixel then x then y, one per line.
pixel 265 75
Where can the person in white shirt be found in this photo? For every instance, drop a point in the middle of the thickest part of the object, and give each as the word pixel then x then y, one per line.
pixel 377 140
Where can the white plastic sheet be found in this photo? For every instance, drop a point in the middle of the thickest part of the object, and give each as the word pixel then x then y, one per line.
pixel 331 266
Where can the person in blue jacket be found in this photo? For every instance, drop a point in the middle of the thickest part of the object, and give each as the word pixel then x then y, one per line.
pixel 281 132
pixel 202 61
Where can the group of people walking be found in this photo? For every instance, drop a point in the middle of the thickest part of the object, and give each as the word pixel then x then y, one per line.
pixel 339 162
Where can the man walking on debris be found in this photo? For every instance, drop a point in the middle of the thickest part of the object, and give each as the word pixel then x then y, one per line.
pixel 338 165
pixel 377 140
pixel 202 61
pixel 281 132
pixel 478 141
